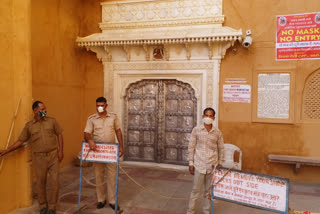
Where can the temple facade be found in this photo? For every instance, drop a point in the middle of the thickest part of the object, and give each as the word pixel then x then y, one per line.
pixel 159 63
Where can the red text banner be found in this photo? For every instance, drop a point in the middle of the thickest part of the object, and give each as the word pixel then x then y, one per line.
pixel 105 152
pixel 298 36
pixel 257 190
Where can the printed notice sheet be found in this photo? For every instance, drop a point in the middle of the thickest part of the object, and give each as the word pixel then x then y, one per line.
pixel 237 93
pixel 273 95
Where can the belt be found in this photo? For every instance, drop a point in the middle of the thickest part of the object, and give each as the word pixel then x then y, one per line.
pixel 46 153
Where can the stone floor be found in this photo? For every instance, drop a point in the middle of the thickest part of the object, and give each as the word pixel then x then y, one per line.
pixel 163 180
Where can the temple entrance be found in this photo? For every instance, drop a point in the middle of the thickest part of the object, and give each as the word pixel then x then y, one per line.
pixel 159 117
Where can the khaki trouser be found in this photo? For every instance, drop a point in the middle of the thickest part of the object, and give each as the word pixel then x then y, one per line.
pixel 111 170
pixel 46 169
pixel 199 181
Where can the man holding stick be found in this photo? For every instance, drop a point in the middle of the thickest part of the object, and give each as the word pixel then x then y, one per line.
pixel 44 135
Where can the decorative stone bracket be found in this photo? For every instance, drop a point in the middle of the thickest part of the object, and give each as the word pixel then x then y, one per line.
pixel 217 45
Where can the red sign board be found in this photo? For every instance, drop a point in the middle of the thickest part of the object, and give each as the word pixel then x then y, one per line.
pixel 298 36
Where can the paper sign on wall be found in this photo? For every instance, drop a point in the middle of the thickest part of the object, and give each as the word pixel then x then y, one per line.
pixel 237 93
pixel 274 95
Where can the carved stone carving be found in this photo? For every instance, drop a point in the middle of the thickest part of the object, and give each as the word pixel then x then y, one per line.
pixel 311 100
pixel 188 48
pixel 158 53
pixel 167 51
pixel 124 14
pixel 164 66
pixel 147 50
pixel 107 53
pixel 176 22
pixel 128 51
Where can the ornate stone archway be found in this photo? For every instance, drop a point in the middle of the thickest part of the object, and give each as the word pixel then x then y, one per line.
pixel 163 39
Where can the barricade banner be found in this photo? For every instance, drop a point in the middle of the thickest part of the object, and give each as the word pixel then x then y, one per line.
pixel 105 153
pixel 252 189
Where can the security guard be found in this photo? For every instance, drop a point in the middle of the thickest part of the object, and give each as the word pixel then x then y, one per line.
pixel 44 135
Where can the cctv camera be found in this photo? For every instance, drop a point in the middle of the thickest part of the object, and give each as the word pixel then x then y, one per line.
pixel 247 41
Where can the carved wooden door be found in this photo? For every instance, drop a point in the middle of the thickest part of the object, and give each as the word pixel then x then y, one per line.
pixel 160 115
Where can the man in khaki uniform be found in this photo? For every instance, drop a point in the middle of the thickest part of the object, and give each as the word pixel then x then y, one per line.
pixel 103 126
pixel 42 134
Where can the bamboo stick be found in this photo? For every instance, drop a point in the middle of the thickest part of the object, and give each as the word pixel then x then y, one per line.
pixel 11 129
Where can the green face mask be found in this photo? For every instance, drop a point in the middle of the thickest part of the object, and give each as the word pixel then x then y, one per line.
pixel 42 114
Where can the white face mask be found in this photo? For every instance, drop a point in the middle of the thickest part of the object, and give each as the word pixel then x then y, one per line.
pixel 100 109
pixel 207 120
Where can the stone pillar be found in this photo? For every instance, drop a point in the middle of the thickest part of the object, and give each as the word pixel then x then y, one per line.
pixel 216 86
pixel 108 84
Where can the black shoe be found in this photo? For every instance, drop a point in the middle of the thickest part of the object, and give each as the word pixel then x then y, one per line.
pixel 114 206
pixel 52 212
pixel 100 205
pixel 43 210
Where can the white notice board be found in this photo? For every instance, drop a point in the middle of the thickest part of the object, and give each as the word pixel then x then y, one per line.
pixel 105 152
pixel 256 190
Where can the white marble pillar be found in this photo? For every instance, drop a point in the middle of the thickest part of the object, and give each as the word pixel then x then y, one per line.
pixel 216 86
pixel 108 84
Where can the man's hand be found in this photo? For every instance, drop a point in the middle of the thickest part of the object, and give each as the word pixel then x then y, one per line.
pixel 191 170
pixel 92 145
pixel 60 156
pixel 11 148
pixel 3 152
pixel 121 151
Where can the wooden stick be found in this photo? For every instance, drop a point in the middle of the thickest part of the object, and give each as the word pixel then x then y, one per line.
pixel 11 129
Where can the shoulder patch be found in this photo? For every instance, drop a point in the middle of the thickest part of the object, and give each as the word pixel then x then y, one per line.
pixel 29 122
pixel 111 114
pixel 92 116
pixel 50 118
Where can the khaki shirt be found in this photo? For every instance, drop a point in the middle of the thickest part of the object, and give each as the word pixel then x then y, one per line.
pixel 102 129
pixel 205 148
pixel 42 135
